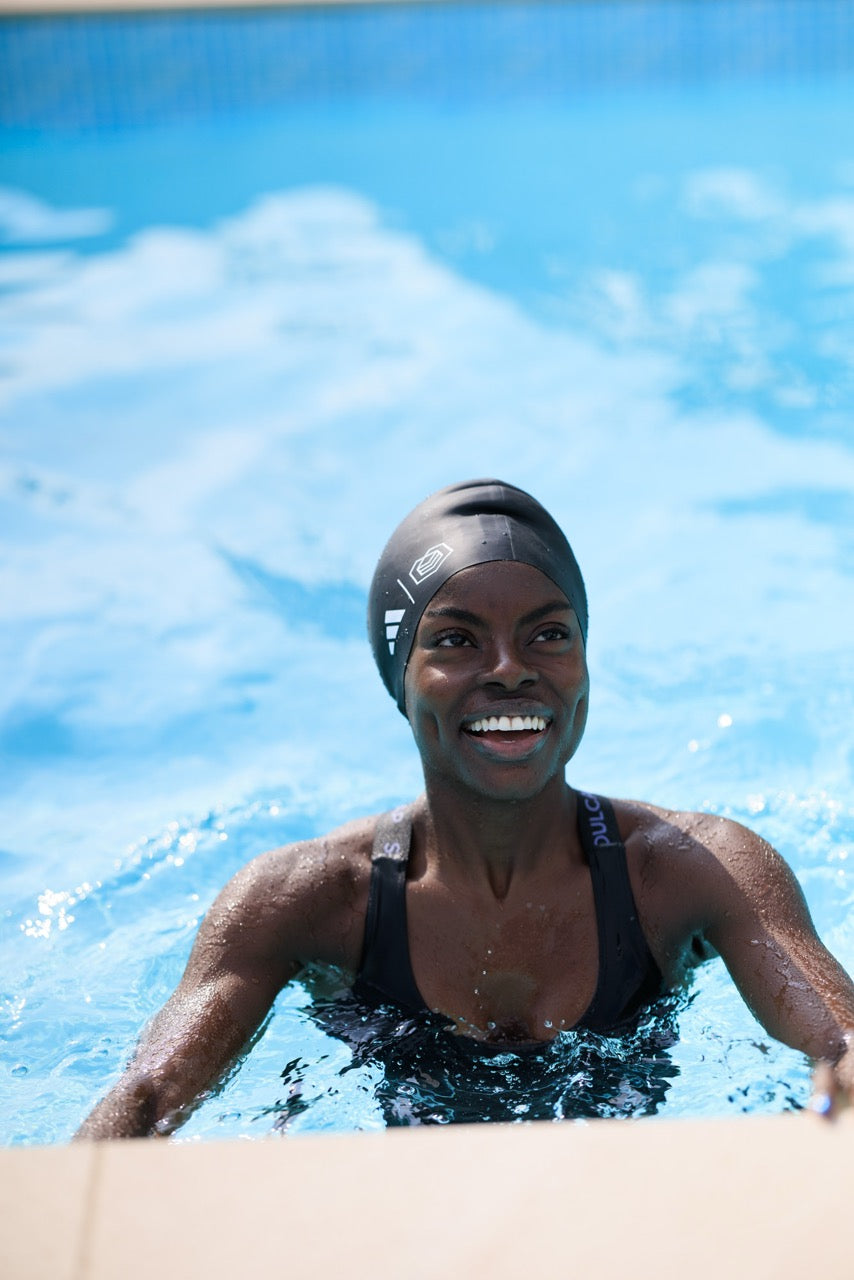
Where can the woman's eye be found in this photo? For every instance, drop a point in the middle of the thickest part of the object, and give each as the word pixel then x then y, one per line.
pixel 552 632
pixel 451 640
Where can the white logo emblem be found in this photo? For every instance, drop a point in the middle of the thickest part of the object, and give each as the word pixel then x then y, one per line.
pixel 392 626
pixel 430 561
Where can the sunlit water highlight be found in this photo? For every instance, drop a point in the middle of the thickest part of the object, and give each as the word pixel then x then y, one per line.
pixel 221 391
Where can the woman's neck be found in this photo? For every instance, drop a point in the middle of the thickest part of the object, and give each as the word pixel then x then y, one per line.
pixel 478 837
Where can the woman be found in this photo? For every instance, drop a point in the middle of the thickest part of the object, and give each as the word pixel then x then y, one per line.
pixel 503 901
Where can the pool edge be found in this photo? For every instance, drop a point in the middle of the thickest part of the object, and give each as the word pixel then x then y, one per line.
pixel 759 1195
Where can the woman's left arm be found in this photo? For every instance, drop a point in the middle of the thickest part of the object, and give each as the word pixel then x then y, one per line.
pixel 761 925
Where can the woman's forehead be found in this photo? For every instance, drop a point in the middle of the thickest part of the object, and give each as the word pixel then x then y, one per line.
pixel 505 583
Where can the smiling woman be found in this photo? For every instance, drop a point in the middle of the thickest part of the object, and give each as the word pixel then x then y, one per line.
pixel 497 909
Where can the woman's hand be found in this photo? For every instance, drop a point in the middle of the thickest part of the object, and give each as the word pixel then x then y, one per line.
pixel 833 1084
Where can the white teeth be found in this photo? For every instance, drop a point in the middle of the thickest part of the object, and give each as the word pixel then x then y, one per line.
pixel 508 724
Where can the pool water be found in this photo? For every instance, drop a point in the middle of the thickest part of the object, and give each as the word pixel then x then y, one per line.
pixel 268 279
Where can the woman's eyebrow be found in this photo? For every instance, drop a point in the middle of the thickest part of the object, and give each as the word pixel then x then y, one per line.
pixel 553 606
pixel 459 615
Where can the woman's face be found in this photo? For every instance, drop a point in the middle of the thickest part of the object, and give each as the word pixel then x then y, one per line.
pixel 497 685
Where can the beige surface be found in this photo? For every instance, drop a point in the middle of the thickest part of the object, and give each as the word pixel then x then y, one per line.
pixel 760 1197
pixel 44 1199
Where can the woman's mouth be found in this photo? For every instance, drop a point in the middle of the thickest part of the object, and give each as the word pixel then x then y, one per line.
pixel 507 724
pixel 508 737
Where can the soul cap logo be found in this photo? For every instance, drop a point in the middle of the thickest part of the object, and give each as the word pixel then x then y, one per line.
pixel 430 561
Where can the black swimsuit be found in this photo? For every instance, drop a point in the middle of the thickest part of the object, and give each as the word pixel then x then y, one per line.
pixel 629 978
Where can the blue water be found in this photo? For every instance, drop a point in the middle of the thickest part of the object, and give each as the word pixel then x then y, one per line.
pixel 268 279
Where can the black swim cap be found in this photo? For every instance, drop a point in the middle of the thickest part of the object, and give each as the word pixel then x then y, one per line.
pixel 465 524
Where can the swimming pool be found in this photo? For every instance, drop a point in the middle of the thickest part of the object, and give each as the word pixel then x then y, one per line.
pixel 269 278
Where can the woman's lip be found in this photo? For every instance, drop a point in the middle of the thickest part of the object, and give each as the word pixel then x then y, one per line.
pixel 509 744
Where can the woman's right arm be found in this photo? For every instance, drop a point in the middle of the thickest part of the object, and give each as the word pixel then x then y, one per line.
pixel 266 922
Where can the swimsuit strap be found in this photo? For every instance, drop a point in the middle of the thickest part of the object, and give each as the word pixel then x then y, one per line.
pixel 385 973
pixel 629 976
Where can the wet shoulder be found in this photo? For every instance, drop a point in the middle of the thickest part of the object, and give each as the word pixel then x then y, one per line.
pixel 684 838
pixel 685 865
pixel 313 893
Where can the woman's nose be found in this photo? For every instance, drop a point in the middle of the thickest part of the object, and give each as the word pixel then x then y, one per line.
pixel 507 667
